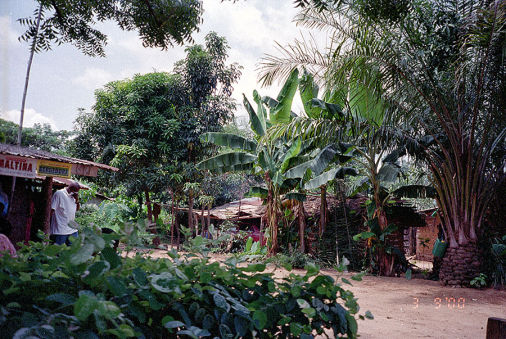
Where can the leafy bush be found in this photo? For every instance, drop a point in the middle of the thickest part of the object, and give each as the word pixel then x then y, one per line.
pixel 293 258
pixel 88 290
pixel 479 281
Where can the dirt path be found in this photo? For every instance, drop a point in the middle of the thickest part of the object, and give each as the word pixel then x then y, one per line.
pixel 418 308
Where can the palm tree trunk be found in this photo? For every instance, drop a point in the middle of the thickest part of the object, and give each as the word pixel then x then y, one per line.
pixel 302 226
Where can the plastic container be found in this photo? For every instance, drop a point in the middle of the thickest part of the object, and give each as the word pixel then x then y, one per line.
pixel 439 248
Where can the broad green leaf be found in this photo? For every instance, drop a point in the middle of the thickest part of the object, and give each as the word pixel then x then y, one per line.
pixel 282 112
pixel 173 324
pixel 311 269
pixel 82 255
pixel 303 303
pixel 116 286
pixel 254 268
pixel 162 282
pixel 259 319
pixel 96 270
pixel 308 90
pixel 317 165
pixel 230 140
pixel 293 151
pixel 230 161
pixel 62 298
pixel 352 326
pixel 389 172
pixel 369 315
pixel 241 326
pixel 220 302
pixel 254 119
pixel 261 111
pixel 363 235
pixel 310 312
pixel 296 290
pixel 111 256
pixel 84 306
pixel 139 277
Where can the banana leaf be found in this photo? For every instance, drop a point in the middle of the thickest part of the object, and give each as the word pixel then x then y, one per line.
pixel 261 111
pixel 328 176
pixel 228 162
pixel 395 155
pixel 317 165
pixel 230 140
pixel 254 119
pixel 296 196
pixel 282 112
pixel 308 90
pixel 292 152
pixel 389 172
pixel 328 110
pixel 257 191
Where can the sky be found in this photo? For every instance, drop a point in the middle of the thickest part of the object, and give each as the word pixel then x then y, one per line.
pixel 64 79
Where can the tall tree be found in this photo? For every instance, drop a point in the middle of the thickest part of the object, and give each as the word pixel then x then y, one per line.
pixel 40 136
pixel 159 23
pixel 149 126
pixel 441 62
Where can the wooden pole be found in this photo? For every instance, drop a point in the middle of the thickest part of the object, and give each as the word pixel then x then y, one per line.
pixel 48 194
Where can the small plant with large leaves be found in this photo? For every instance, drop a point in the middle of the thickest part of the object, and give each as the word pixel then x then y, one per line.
pixel 88 290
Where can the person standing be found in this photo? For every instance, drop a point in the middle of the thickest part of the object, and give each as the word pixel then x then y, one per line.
pixel 64 204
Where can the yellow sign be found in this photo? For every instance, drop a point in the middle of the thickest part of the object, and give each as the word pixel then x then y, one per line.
pixel 54 169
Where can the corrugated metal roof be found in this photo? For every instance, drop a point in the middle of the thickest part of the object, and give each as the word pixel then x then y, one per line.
pixel 43 155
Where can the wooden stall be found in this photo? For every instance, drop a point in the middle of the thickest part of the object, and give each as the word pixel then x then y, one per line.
pixel 37 174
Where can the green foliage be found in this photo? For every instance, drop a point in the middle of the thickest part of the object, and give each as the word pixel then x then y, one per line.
pixel 498 250
pixel 479 281
pixel 87 289
pixel 293 258
pixel 159 23
pixel 149 126
pixel 39 136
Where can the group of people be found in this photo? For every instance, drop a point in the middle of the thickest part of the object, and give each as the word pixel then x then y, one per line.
pixel 64 205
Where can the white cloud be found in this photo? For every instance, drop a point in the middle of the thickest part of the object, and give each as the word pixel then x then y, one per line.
pixel 8 35
pixel 93 78
pixel 31 117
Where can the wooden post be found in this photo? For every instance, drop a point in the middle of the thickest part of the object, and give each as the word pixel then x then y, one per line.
pixel 28 229
pixel 47 189
pixel 496 328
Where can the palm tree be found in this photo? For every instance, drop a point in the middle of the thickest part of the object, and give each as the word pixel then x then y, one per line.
pixel 439 66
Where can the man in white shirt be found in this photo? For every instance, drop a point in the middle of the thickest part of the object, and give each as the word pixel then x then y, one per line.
pixel 64 204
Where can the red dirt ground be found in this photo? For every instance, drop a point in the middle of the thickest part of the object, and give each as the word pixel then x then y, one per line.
pixel 417 308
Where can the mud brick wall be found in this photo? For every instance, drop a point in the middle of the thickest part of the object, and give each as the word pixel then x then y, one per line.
pixel 430 231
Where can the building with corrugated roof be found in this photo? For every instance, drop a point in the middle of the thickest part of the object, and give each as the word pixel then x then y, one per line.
pixel 37 174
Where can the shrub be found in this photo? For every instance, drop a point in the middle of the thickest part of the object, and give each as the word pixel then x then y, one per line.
pixel 88 290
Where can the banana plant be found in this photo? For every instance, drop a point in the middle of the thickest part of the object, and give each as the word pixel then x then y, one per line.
pixel 270 159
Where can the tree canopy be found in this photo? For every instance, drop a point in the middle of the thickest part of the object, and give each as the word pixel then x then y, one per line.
pixel 149 125
pixel 40 136
pixel 160 23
